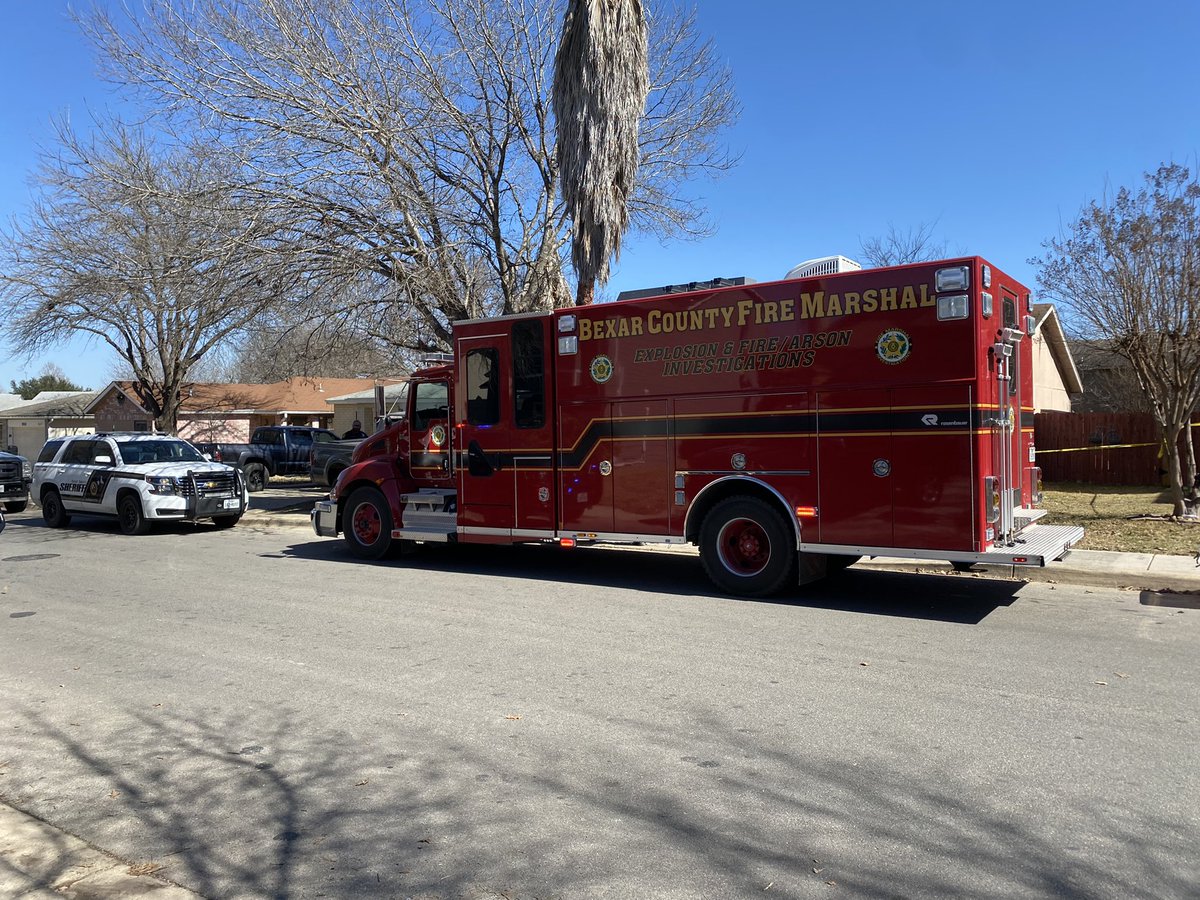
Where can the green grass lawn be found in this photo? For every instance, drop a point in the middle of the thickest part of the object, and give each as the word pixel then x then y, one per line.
pixel 1104 512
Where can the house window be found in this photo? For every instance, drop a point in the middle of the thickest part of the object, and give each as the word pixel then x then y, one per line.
pixel 141 425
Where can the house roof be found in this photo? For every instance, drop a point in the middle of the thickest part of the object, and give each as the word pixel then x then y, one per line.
pixel 294 395
pixel 390 392
pixel 1051 330
pixel 7 400
pixel 73 404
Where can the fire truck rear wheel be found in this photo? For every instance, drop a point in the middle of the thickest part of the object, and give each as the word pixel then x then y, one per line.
pixel 367 524
pixel 746 547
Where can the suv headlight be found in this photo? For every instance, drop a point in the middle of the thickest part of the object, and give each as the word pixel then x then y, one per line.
pixel 162 484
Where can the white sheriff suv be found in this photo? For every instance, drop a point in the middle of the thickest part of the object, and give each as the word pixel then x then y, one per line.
pixel 139 478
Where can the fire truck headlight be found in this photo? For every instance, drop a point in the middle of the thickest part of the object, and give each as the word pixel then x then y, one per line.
pixel 567 324
pixel 568 346
pixel 955 306
pixel 957 278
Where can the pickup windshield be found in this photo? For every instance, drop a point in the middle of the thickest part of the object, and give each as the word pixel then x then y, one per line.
pixel 135 452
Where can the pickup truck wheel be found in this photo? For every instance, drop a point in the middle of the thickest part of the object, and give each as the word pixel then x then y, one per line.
pixel 746 548
pixel 130 517
pixel 16 506
pixel 226 521
pixel 256 477
pixel 367 524
pixel 53 512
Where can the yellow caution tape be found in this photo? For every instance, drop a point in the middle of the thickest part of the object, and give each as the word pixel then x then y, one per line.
pixel 1099 447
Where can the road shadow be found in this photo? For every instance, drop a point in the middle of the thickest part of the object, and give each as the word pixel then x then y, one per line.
pixel 956 600
pixel 1170 599
pixel 691 810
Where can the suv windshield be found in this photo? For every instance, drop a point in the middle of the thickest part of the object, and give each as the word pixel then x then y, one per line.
pixel 164 451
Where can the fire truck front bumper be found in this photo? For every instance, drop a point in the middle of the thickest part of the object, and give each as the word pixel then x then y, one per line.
pixel 324 518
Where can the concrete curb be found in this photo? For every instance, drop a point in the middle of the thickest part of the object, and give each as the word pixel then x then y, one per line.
pixel 39 860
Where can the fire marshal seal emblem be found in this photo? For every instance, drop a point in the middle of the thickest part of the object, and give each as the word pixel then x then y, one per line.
pixel 893 346
pixel 437 435
pixel 601 369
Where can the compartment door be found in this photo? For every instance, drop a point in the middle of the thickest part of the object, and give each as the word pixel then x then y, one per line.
pixel 855 468
pixel 586 485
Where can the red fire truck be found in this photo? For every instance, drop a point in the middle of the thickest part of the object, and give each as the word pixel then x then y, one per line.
pixel 786 428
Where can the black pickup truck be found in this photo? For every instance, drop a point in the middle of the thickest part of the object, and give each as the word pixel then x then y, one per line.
pixel 273 450
pixel 15 474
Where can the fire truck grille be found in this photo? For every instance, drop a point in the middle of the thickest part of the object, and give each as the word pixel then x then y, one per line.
pixel 10 471
pixel 213 484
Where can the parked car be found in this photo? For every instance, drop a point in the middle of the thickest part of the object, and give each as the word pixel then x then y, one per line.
pixel 15 474
pixel 273 450
pixel 139 478
pixel 327 459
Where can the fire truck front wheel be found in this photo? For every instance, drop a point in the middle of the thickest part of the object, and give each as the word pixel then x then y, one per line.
pixel 367 524
pixel 746 547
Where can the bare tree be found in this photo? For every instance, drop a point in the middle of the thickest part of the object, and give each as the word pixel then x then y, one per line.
pixel 601 77
pixel 415 136
pixel 153 251
pixel 915 244
pixel 1129 271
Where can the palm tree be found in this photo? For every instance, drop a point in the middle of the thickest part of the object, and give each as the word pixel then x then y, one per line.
pixel 601 78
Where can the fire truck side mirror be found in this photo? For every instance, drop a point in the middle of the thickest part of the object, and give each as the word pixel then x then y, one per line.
pixel 477 461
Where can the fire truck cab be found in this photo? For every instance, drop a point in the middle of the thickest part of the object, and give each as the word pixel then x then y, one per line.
pixel 786 428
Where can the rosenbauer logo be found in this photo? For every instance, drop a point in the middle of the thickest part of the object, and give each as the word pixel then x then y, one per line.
pixel 601 369
pixel 893 346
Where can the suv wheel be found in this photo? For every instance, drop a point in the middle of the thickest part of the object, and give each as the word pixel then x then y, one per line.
pixel 53 512
pixel 129 514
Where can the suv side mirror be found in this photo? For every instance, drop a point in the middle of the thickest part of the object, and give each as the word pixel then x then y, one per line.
pixel 102 460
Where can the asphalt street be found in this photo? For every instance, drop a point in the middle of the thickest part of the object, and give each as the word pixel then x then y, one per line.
pixel 257 715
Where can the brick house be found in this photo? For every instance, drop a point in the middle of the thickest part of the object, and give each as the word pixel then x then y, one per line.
pixel 228 412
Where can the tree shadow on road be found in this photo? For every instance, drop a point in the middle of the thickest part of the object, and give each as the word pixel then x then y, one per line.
pixel 507 810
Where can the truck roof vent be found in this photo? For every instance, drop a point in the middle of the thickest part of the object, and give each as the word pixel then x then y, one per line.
pixel 822 265
pixel 684 288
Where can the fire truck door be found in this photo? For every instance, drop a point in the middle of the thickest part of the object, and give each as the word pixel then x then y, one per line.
pixel 483 397
pixel 429 441
pixel 586 485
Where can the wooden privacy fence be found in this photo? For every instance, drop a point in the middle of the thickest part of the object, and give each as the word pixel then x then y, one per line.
pixel 1099 448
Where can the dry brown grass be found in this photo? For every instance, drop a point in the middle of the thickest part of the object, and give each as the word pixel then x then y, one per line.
pixel 1104 511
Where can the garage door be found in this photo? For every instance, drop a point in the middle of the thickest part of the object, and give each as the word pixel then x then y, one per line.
pixel 27 438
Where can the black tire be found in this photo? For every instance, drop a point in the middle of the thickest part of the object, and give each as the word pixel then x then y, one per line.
pixel 333 474
pixel 130 517
pixel 367 524
pixel 746 547
pixel 54 514
pixel 256 477
pixel 226 521
pixel 16 506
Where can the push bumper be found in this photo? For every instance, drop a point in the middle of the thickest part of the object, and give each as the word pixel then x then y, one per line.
pixel 324 518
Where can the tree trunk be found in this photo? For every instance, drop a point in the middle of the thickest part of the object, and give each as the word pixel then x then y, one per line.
pixel 585 293
pixel 1189 458
pixel 1174 473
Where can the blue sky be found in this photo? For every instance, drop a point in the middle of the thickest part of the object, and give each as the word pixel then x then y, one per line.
pixel 997 121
